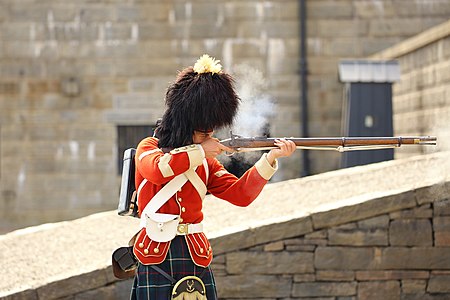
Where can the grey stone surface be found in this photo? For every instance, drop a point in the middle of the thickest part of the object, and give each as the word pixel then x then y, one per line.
pixel 410 232
pixel 269 263
pixel 391 258
pixel 376 222
pixel 258 286
pixel 80 251
pixel 388 290
pixel 365 209
pixel 317 289
pixel 442 208
pixel 358 237
pixel 391 275
pixel 413 286
pixel 439 284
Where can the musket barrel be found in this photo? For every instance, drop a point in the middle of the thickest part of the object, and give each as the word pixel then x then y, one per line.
pixel 263 142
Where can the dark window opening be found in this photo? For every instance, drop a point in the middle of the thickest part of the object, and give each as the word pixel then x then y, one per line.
pixel 129 137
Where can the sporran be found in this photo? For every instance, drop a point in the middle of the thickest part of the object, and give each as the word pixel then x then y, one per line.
pixel 189 288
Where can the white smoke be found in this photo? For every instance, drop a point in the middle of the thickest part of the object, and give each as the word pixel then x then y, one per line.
pixel 255 110
pixel 256 107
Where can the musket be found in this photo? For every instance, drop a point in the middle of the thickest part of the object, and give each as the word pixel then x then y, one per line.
pixel 340 144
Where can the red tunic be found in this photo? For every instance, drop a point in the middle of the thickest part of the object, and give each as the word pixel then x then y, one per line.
pixel 158 168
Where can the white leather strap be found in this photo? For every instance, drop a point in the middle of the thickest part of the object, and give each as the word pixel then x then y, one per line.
pixel 205 165
pixel 197 182
pixel 163 196
pixel 171 188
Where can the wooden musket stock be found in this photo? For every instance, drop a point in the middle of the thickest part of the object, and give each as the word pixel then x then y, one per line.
pixel 341 144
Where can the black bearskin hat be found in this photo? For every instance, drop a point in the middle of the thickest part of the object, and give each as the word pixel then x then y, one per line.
pixel 201 98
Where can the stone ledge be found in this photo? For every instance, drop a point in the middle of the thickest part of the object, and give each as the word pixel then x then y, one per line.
pixel 81 249
pixel 412 44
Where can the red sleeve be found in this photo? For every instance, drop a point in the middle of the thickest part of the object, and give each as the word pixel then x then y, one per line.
pixel 238 191
pixel 159 167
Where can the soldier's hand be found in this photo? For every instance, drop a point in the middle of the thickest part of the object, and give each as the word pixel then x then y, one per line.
pixel 285 148
pixel 213 147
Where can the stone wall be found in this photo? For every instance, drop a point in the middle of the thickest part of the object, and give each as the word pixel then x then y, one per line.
pixel 398 248
pixel 421 99
pixel 71 72
pixel 372 232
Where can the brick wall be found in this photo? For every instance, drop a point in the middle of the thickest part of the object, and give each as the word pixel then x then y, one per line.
pixel 421 101
pixel 58 150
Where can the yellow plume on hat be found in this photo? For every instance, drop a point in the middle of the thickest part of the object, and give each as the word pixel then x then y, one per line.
pixel 207 64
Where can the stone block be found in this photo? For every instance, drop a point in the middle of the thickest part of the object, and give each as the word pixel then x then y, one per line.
pixel 276 246
pixel 328 28
pixel 442 208
pixel 142 12
pixel 206 30
pixel 343 258
pixel 348 226
pixel 426 258
pixel 319 234
pixel 370 9
pixel 330 10
pixel 241 10
pixel 117 31
pixel 269 262
pixel 393 27
pixel 303 241
pixel 441 226
pixel 304 277
pixel 98 13
pixel 442 238
pixel 261 235
pixel 106 292
pixel 433 193
pixel 413 286
pixel 287 10
pixel 364 210
pixel 439 284
pixel 376 222
pixel 374 275
pixel 255 286
pixel 132 101
pixel 410 232
pixel 421 212
pixel 358 237
pixel 69 286
pixel 387 290
pixel 321 289
pixel 441 223
pixel 391 258
pixel 327 275
pixel 415 9
pixel 301 248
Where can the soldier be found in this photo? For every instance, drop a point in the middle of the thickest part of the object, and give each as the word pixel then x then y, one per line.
pixel 173 252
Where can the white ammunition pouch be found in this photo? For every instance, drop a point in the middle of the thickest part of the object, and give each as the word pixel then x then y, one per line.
pixel 161 227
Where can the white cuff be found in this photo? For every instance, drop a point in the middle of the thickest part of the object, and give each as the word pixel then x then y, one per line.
pixel 264 168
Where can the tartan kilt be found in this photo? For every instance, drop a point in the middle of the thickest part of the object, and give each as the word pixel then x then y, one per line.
pixel 150 284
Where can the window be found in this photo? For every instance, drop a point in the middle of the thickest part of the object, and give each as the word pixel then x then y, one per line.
pixel 129 137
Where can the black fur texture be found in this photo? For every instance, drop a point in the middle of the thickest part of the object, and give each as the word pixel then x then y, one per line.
pixel 196 102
